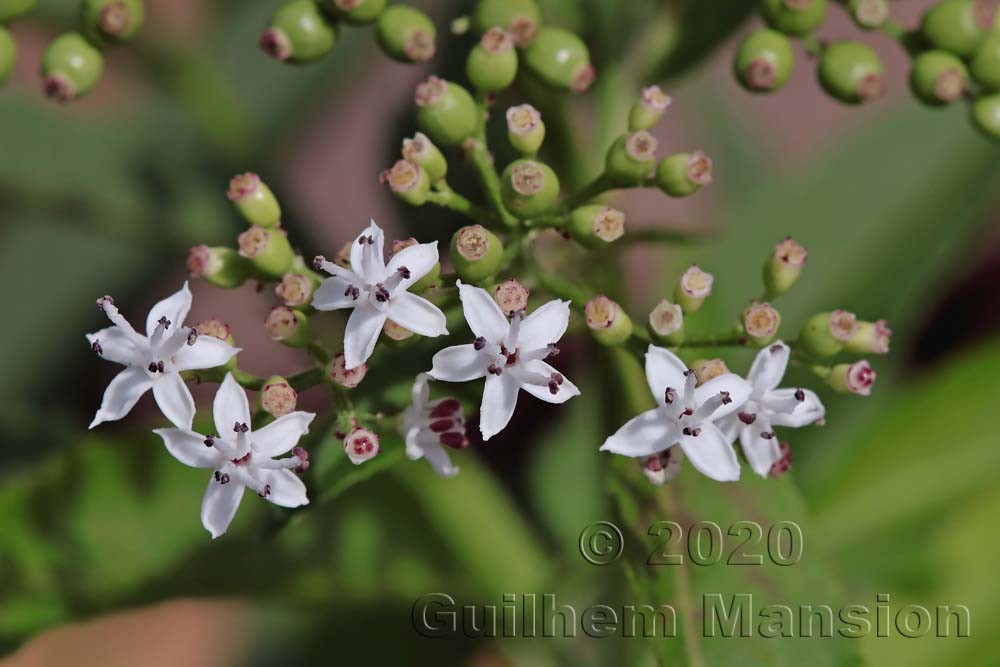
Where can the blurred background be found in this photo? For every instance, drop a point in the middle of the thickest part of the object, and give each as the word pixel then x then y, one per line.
pixel 103 560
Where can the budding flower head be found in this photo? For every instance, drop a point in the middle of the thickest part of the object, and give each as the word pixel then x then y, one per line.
pixel 666 323
pixel 295 289
pixel 277 397
pixel 560 59
pixel 607 321
pixel 663 467
pixel 254 200
pixel 220 266
pixel 529 188
pixel 648 110
pixel 525 129
pixel 267 249
pixel 349 378
pixel 408 182
pixel 631 158
pixel 693 288
pixel 361 445
pixel 299 32
pixel 492 64
pixel 764 61
pixel 421 151
pixel 287 326
pixel 595 225
pixel 784 266
pixel 708 369
pixel 783 464
pixel 856 378
pixel 476 253
pixel 761 322
pixel 445 111
pixel 406 34
pixel 512 296
pixel 870 338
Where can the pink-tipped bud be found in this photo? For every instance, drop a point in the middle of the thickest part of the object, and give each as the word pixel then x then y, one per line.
pixel 693 288
pixel 361 445
pixel 666 322
pixel 407 181
pixel 843 325
pixel 58 88
pixel 202 260
pixel 214 328
pixel 242 186
pixel 511 296
pixel 294 289
pixel 607 321
pixel 655 99
pixel 523 119
pixel 497 40
pixel 761 322
pixel 253 242
pixel 700 168
pixel 709 369
pixel 856 378
pixel 429 91
pixel 871 338
pixel 275 43
pixel 343 376
pixel 278 398
pixel 782 465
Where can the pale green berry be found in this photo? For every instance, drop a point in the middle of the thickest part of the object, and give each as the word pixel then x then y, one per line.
pixel 826 334
pixel 954 25
pixel 476 253
pixel 985 63
pixel 406 34
pixel 276 397
pixel 764 61
pixel 529 188
pixel 288 326
pixel 113 20
pixel 986 115
pixel 561 59
pixel 596 225
pixel 446 112
pixel 609 323
pixel 794 17
pixel 525 129
pixel 683 174
pixel 492 63
pixel 253 200
pixel 357 12
pixel 851 72
pixel 631 158
pixel 938 78
pixel 408 182
pixel 300 32
pixel 219 266
pixel 71 67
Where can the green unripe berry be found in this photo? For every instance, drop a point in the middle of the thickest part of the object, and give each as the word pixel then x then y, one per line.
pixel 764 61
pixel 476 253
pixel 357 12
pixel 529 188
pixel 826 334
pixel 561 59
pixel 783 267
pixel 11 9
pixel 288 326
pixel 985 63
pixel 445 111
pixel 682 174
pixel 794 17
pixel 422 152
pixel 525 129
pixel 938 77
pixel 521 18
pixel 595 225
pixel 607 321
pixel 408 182
pixel 70 67
pixel 631 158
pixel 253 200
pixel 851 72
pixel 268 250
pixel 406 34
pixel 986 115
pixel 648 109
pixel 492 63
pixel 219 266
pixel 869 14
pixel 8 54
pixel 299 33
pixel 112 20
pixel 954 25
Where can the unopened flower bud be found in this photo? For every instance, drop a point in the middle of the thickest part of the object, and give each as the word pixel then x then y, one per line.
pixel 525 129
pixel 361 445
pixel 631 158
pixel 985 63
pixel 71 67
pixel 397 333
pixel 446 112
pixel 709 369
pixel 254 201
pixel 345 377
pixel 957 26
pixel 561 59
pixel 869 14
pixel 492 64
pixel 406 34
pixel 511 296
pixel 8 54
pixel 666 323
pixel 985 112
pixel 607 321
pixel 295 289
pixel 267 249
pixel 938 78
pixel 794 17
pixel 112 20
pixel 663 467
pixel 408 182
pixel 422 152
pixel 220 266
pixel 218 329
pixel 521 18
pixel 529 188
pixel 430 279
pixel 682 174
pixel 358 12
pixel 648 109
pixel 287 326
pixel 11 9
pixel 784 464
pixel 299 32
pixel 277 398
pixel 764 61
pixel 476 253
pixel 760 323
pixel 826 334
pixel 856 378
pixel 693 288
pixel 594 225
pixel 870 338
pixel 783 268
pixel 851 72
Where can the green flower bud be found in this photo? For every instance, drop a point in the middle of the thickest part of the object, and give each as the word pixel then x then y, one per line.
pixel 709 369
pixel 430 279
pixel 267 249
pixel 955 25
pixel 595 225
pixel 406 34
pixel 529 188
pixel 856 378
pixel 760 323
pixel 512 296
pixel 666 323
pixel 560 59
pixel 693 288
pixel 783 267
pixel 525 129
pixel 253 200
pixel 8 54
pixel 985 63
pixel 871 338
pixel 348 378
pixel 682 174
pixel 287 326
pixel 112 20
pixel 851 72
pixel 408 182
pixel 825 334
pixel 70 67
pixel 276 397
pixel 296 289
pixel 445 111
pixel 218 329
pixel 422 152
pixel 631 158
pixel 794 17
pixel 358 12
pixel 476 253
pixel 986 115
pixel 299 33
pixel 607 321
pixel 648 109
pixel 219 266
pixel 11 9
pixel 938 78
pixel 869 14
pixel 492 63
pixel 764 61
pixel 521 18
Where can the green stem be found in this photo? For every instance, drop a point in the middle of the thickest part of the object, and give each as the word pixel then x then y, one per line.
pixel 483 162
pixel 596 187
pixel 442 195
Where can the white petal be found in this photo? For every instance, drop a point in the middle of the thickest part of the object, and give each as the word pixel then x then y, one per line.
pixel 458 363
pixel 438 457
pixel 544 326
pixel 189 448
pixel 282 434
pixel 567 389
pixel 664 369
pixel 358 260
pixel 421 391
pixel 116 345
pixel 417 314
pixel 207 352
pixel 122 394
pixel 361 334
pixel 175 308
pixel 287 490
pixel 219 505
pixel 174 399
pixel 231 406
pixel 807 412
pixel 729 426
pixel 332 295
pixel 711 454
pixel 769 367
pixel 643 435
pixel 414 451
pixel 499 401
pixel 482 313
pixel 418 259
pixel 739 391
pixel 761 453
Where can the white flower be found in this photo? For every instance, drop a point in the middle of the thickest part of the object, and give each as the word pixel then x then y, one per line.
pixel 510 354
pixel 377 292
pixel 684 417
pixel 427 425
pixel 155 360
pixel 241 458
pixel 768 407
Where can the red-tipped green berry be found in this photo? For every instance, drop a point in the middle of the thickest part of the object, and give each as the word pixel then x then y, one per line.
pixel 219 266
pixel 406 34
pixel 851 72
pixel 421 151
pixel 648 109
pixel 760 323
pixel 869 14
pixel 408 182
pixel 985 112
pixel 529 188
pixel 112 20
pixel 253 200
pixel 985 63
pixel 682 174
pixel 521 18
pixel 267 249
pixel 288 326
pixel 856 378
pixel 825 334
pixel 71 67
pixel 764 61
pixel 607 321
pixel 870 338
pixel 357 12
pixel 492 63
pixel 446 112
pixel 299 33
pixel 476 253
pixel 561 59
pixel 595 225
pixel 794 17
pixel 693 288
pixel 525 129
pixel 955 25
pixel 938 78
pixel 631 158
pixel 783 267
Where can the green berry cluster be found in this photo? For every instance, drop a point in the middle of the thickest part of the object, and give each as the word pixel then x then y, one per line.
pixel 955 53
pixel 10 10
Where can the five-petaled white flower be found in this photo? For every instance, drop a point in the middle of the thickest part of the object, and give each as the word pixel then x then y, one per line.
pixel 241 458
pixel 510 354
pixel 427 425
pixel 155 360
pixel 684 417
pixel 768 407
pixel 378 291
